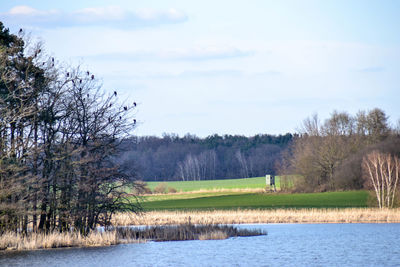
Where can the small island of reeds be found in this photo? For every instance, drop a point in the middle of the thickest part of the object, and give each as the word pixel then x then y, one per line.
pixel 120 235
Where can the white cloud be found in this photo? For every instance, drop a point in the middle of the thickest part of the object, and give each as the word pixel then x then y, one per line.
pixel 111 16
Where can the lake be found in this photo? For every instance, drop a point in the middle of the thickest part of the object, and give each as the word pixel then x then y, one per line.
pixel 285 245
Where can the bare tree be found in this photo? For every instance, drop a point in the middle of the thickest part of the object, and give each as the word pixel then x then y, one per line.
pixel 382 173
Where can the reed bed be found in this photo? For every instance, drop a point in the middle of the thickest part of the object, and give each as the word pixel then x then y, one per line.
pixel 186 231
pixel 31 241
pixel 348 215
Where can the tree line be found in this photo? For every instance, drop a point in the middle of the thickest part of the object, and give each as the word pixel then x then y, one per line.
pixel 192 158
pixel 58 136
pixel 330 155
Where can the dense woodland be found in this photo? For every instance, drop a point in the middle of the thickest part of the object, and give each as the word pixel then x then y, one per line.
pixel 214 157
pixel 58 135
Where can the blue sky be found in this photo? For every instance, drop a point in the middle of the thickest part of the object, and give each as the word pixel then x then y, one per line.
pixel 227 67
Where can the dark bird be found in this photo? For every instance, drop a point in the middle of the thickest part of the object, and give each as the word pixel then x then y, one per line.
pixel 134 103
pixel 115 93
pixel 52 59
pixel 87 95
pixel 20 30
pixel 134 121
pixel 87 73
pixel 120 117
pixel 109 119
pixel 125 108
pixel 80 81
pixel 40 50
pixel 92 76
pixel 67 74
pixel 43 63
pixel 52 65
pixel 110 105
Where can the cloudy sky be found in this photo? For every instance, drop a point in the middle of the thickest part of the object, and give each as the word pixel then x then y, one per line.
pixel 227 67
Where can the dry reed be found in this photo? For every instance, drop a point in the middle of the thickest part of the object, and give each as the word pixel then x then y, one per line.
pixel 349 215
pixel 13 241
pixel 216 235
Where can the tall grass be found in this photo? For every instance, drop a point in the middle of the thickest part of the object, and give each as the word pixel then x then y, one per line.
pixel 186 231
pixel 31 241
pixel 348 215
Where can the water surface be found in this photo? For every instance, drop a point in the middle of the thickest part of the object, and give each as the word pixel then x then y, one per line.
pixel 285 245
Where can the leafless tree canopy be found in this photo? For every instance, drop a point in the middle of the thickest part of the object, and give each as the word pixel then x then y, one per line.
pixel 58 133
pixel 328 155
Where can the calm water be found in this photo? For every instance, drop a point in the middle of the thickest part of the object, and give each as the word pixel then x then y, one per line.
pixel 285 245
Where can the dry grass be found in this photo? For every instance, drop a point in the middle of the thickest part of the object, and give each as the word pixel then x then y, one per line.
pixel 216 235
pixel 12 241
pixel 350 215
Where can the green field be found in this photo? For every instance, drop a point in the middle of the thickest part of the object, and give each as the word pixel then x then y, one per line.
pixel 237 200
pixel 187 186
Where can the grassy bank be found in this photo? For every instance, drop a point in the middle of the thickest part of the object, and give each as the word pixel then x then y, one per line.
pixel 187 186
pixel 346 215
pixel 244 200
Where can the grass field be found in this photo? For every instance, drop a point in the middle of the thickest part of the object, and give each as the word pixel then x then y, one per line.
pixel 243 200
pixel 187 186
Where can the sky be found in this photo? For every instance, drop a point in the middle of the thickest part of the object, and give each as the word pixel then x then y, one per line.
pixel 226 67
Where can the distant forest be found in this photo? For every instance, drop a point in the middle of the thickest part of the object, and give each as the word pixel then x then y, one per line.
pixel 192 158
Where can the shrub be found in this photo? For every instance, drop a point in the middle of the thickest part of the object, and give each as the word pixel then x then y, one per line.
pixel 172 190
pixel 161 188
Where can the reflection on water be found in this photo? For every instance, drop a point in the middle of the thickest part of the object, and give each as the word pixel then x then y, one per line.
pixel 285 245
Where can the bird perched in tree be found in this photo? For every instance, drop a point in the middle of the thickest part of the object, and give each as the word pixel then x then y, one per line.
pixel 67 74
pixel 110 105
pixel 120 117
pixel 20 30
pixel 87 73
pixel 125 108
pixel 40 50
pixel 115 93
pixel 80 81
pixel 52 59
pixel 134 121
pixel 92 76
pixel 134 103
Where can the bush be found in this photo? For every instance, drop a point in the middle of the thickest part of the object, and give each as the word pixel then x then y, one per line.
pixel 172 190
pixel 161 188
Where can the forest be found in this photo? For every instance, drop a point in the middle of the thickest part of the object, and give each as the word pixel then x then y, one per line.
pixel 191 158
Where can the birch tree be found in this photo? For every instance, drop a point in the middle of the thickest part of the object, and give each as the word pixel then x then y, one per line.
pixel 381 172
